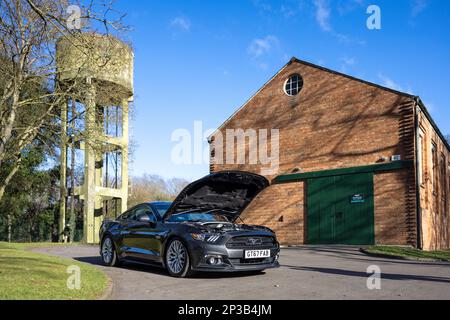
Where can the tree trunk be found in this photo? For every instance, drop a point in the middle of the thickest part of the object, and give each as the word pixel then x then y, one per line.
pixel 8 178
pixel 6 131
pixel 72 218
pixel 8 124
pixel 9 227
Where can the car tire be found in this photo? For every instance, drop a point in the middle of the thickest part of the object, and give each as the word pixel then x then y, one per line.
pixel 109 253
pixel 176 259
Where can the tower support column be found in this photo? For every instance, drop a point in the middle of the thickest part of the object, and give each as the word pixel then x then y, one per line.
pixel 63 173
pixel 124 162
pixel 89 168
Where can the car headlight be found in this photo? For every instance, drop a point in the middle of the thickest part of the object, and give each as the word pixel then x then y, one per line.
pixel 198 236
pixel 205 237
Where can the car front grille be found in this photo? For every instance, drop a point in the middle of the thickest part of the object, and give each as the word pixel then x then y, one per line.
pixel 249 242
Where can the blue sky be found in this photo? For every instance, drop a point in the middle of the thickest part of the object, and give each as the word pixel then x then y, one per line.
pixel 199 60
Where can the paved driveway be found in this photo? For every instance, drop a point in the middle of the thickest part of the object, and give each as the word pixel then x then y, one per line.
pixel 305 273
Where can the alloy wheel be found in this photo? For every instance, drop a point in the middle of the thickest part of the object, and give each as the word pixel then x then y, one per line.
pixel 107 251
pixel 176 256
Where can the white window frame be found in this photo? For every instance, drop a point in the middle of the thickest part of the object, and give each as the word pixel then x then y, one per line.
pixel 299 87
pixel 420 155
pixel 434 164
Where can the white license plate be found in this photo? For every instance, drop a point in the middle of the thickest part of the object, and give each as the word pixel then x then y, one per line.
pixel 252 254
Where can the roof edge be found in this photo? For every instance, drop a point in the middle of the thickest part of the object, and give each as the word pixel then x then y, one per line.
pixel 250 99
pixel 373 84
pixel 424 109
pixel 294 59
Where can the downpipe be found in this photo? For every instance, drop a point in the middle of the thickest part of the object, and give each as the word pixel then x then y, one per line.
pixel 418 206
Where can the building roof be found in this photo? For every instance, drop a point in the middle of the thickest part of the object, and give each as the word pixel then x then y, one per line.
pixel 428 115
pixel 294 59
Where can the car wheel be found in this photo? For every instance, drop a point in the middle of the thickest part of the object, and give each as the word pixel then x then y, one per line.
pixel 177 259
pixel 108 253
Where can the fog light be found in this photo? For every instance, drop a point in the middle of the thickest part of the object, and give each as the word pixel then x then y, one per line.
pixel 214 260
pixel 211 260
pixel 276 257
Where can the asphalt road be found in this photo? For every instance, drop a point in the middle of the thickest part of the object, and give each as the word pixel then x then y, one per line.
pixel 305 273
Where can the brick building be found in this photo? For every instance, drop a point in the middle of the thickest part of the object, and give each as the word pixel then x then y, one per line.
pixel 358 163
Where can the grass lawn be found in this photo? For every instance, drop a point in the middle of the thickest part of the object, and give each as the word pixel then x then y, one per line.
pixel 410 253
pixel 34 276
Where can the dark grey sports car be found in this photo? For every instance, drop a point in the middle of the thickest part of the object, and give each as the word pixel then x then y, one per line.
pixel 197 232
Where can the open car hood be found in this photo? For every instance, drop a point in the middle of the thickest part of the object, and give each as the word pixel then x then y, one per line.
pixel 230 191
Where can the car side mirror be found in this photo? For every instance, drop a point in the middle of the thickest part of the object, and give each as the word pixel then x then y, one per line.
pixel 146 219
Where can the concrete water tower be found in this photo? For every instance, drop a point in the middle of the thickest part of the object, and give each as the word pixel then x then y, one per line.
pixel 96 74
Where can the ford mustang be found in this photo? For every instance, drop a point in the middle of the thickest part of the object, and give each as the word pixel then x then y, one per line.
pixel 199 231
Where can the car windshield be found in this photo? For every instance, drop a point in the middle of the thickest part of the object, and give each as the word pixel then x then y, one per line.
pixel 161 208
pixel 198 217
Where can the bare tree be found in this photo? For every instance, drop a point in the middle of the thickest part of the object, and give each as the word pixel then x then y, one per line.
pixel 30 94
pixel 175 185
pixel 150 187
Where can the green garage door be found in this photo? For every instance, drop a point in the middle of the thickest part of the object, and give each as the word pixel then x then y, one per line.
pixel 340 210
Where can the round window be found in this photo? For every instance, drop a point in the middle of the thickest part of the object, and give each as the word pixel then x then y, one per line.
pixel 293 85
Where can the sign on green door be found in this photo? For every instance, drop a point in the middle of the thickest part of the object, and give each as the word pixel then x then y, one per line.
pixel 341 210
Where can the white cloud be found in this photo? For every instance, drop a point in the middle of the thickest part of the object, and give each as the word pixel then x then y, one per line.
pixel 262 65
pixel 323 15
pixel 418 6
pixel 287 11
pixel 346 63
pixel 323 12
pixel 347 6
pixel 349 61
pixel 389 83
pixel 259 47
pixel 181 23
pixel 321 62
pixel 262 5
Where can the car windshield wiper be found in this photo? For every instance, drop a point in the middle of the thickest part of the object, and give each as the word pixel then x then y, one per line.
pixel 214 210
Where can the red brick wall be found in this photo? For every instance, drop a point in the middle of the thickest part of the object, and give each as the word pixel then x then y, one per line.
pixel 395 222
pixel 434 200
pixel 280 207
pixel 335 122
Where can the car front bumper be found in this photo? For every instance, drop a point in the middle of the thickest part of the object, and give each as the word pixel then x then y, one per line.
pixel 232 259
pixel 233 268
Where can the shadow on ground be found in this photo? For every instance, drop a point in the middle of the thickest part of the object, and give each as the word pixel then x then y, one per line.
pixel 159 270
pixel 349 253
pixel 389 276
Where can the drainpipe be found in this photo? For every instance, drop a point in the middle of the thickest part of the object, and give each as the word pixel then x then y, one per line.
pixel 418 207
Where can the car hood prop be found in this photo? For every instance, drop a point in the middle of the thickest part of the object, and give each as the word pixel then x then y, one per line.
pixel 228 192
